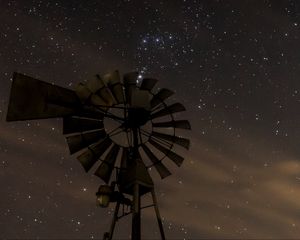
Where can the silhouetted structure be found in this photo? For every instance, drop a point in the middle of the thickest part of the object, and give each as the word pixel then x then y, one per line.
pixel 124 124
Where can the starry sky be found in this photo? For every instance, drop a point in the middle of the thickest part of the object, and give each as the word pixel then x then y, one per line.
pixel 233 64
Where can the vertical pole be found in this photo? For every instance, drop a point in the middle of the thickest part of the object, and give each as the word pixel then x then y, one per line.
pixel 108 236
pixel 136 210
pixel 136 214
pixel 161 229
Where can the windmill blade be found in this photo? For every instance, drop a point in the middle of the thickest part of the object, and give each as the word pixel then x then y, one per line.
pixel 105 169
pixel 170 138
pixel 162 95
pixel 159 166
pixel 176 107
pixel 88 98
pixel 183 124
pixel 83 92
pixel 130 84
pixel 76 124
pixel 113 81
pixel 148 83
pixel 95 84
pixel 94 152
pixel 90 112
pixel 104 92
pixel 34 99
pixel 80 141
pixel 170 154
pixel 99 102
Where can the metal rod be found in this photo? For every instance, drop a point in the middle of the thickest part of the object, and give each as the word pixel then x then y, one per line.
pixel 161 229
pixel 136 214
pixel 151 205
pixel 124 214
pixel 136 208
pixel 161 141
pixel 109 235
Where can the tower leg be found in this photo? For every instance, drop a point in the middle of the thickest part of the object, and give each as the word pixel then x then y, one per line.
pixel 136 214
pixel 161 229
pixel 109 235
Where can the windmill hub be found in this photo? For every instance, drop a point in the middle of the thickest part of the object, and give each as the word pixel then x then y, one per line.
pixel 137 117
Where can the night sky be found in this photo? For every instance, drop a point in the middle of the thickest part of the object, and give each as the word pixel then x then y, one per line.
pixel 235 65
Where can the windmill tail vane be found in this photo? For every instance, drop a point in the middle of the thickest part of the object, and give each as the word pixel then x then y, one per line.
pixel 118 129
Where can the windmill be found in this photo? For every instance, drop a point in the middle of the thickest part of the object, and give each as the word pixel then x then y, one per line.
pixel 119 129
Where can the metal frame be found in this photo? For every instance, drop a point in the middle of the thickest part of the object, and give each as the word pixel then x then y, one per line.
pixel 136 224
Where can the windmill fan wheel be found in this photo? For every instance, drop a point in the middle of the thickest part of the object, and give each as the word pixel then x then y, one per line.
pixel 120 115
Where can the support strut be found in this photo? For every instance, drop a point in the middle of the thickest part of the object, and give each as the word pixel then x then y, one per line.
pixel 161 229
pixel 109 235
pixel 136 214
